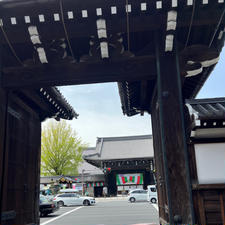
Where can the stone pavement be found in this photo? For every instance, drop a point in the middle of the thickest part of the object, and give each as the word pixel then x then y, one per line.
pixel 119 198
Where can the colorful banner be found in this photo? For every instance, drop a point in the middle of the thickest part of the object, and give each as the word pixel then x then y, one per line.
pixel 96 184
pixel 128 179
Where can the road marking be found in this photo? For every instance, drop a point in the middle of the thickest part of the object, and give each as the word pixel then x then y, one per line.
pixel 64 214
pixel 156 206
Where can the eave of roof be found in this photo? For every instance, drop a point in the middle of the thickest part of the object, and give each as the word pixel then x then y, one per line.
pixel 91 157
pixel 123 138
pixel 100 156
pixel 47 102
pixel 208 109
pixel 131 103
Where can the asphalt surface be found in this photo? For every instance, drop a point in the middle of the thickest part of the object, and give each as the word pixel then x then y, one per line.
pixel 108 212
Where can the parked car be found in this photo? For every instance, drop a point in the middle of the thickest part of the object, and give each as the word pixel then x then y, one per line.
pixel 69 190
pixel 73 199
pixel 152 194
pixel 78 189
pixel 137 195
pixel 47 193
pixel 46 206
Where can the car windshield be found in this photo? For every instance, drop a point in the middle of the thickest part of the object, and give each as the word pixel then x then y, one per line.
pixel 153 189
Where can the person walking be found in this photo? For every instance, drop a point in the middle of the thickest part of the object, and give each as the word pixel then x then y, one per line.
pixel 105 191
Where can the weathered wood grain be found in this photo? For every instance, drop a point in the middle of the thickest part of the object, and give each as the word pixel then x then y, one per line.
pixel 22 164
pixel 136 68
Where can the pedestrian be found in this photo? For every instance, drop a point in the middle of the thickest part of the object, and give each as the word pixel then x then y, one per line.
pixel 105 191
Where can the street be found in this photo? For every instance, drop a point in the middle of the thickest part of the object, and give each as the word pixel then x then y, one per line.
pixel 105 212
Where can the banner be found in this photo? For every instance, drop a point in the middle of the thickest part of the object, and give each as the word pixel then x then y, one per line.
pixel 95 184
pixel 128 179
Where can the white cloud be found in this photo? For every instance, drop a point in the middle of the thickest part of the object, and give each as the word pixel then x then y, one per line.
pixel 100 114
pixel 89 126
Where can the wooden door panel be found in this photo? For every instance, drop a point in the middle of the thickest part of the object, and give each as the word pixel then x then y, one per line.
pixel 21 172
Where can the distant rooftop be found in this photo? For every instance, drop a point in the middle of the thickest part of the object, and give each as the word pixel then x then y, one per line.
pixel 127 147
pixel 120 138
pixel 86 167
pixel 89 169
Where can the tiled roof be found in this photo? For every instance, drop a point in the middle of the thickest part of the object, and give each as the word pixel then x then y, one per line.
pixel 208 109
pixel 89 169
pixel 86 167
pixel 131 147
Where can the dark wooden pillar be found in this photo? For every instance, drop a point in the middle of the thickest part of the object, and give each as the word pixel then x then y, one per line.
pixel 172 171
pixel 3 152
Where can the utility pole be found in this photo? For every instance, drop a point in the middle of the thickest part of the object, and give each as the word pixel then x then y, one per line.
pixel 82 177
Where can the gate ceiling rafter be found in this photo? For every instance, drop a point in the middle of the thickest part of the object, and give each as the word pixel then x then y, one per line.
pixel 77 42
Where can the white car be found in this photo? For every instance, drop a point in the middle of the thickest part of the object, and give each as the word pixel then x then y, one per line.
pixel 138 195
pixel 73 199
pixel 152 194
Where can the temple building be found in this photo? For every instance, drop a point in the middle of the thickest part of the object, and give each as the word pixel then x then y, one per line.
pixel 126 161
pixel 117 163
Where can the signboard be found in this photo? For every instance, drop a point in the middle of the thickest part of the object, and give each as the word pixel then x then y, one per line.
pixel 129 179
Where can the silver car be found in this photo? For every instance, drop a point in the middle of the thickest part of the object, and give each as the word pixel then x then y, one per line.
pixel 138 195
pixel 67 199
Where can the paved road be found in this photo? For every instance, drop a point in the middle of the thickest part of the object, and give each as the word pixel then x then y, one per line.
pixel 108 212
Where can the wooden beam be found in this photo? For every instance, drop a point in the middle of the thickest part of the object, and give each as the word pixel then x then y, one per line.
pixel 158 156
pixel 3 140
pixel 222 207
pixel 85 27
pixel 168 130
pixel 137 68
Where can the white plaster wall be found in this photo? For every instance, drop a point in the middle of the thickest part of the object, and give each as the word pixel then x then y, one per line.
pixel 210 160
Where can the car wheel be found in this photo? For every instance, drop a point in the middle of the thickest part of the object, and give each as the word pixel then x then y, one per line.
pixel 86 202
pixel 132 199
pixel 60 203
pixel 153 200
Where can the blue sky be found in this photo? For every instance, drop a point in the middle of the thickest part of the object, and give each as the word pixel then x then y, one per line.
pixel 215 84
pixel 100 113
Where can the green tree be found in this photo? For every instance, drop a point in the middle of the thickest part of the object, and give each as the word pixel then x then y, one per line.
pixel 61 149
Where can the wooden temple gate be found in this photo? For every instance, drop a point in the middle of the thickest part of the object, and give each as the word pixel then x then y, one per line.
pixel 21 160
pixel 21 115
pixel 159 52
